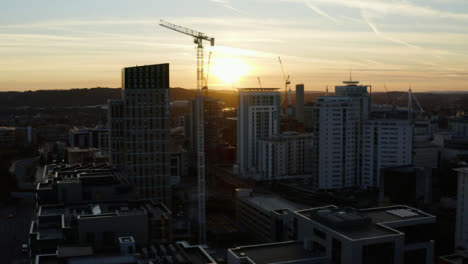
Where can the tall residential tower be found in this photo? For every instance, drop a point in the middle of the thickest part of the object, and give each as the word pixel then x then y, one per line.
pixel 336 128
pixel 461 227
pixel 139 131
pixel 300 102
pixel 257 118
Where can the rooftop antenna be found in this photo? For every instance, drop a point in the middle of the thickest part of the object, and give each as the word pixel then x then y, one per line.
pixel 350 73
pixel 326 91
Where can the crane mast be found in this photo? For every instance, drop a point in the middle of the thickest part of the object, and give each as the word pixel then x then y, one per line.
pixel 199 102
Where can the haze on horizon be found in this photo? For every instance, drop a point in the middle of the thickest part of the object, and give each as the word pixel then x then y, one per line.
pixel 79 44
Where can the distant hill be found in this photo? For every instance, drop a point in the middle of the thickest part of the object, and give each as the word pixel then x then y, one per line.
pixel 99 96
pixel 59 98
pixel 92 96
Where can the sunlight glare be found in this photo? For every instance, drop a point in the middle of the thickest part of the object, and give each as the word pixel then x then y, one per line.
pixel 228 69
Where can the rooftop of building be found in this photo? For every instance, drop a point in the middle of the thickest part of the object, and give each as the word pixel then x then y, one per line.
pixel 5 129
pixel 463 170
pixel 348 222
pixel 258 89
pixel 403 169
pixel 459 119
pixel 81 150
pixel 194 253
pixel 85 259
pixel 53 218
pixel 456 258
pixel 105 208
pixel 389 121
pixel 287 136
pixel 459 142
pixel 366 223
pixel 147 66
pixel 281 252
pixel 87 129
pixel 271 202
pixel 179 252
pixel 90 174
pixel 351 83
pixel 396 213
pixel 336 99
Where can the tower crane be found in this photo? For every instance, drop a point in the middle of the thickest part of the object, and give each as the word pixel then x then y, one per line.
pixel 287 82
pixel 388 101
pixel 198 39
pixel 412 97
pixel 259 82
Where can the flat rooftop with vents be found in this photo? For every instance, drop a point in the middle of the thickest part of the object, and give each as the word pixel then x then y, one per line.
pixel 366 223
pixel 282 252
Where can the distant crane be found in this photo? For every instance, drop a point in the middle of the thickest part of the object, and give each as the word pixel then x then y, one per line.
pixel 388 101
pixel 259 82
pixel 287 82
pixel 198 40
pixel 205 86
pixel 412 97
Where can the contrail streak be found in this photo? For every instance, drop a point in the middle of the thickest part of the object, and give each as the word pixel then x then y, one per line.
pixel 319 11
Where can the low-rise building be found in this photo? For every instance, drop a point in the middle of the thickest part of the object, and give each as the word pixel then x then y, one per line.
pixel 455 258
pixel 268 217
pixel 98 225
pixel 84 137
pixel 459 125
pixel 406 185
pixel 386 235
pixel 289 252
pixel 85 155
pixel 64 183
pixel 179 252
pixel 7 136
pixel 330 234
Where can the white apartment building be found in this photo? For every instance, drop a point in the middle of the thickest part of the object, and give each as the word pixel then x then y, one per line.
pixel 385 143
pixel 461 226
pixel 285 156
pixel 353 89
pixel 336 129
pixel 258 117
